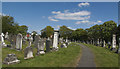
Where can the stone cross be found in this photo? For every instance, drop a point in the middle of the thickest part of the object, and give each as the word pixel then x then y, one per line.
pixel 55 41
pixel 114 42
pixel 19 42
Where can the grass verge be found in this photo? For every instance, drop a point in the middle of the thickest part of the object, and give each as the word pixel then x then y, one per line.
pixel 104 57
pixel 65 57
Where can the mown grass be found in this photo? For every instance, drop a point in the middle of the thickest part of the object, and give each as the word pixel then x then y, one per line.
pixel 104 57
pixel 65 57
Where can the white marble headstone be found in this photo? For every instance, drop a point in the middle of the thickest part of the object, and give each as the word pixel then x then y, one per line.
pixel 114 41
pixel 55 40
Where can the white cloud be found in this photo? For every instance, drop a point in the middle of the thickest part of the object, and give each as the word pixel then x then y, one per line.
pixel 51 19
pixel 54 12
pixel 3 14
pixel 81 15
pixel 71 28
pixel 88 22
pixel 83 4
pixel 79 22
pixel 99 21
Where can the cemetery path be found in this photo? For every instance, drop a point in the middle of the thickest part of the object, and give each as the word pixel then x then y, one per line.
pixel 87 58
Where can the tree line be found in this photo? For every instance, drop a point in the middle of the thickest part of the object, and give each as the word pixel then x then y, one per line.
pixel 9 25
pixel 103 31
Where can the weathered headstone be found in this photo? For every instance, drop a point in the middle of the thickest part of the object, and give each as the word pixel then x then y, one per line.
pixel 109 44
pixel 48 44
pixel 2 40
pixel 98 42
pixel 36 42
pixel 30 40
pixel 55 41
pixel 28 52
pixel 6 36
pixel 103 43
pixel 42 46
pixel 19 42
pixel 11 59
pixel 114 42
pixel 63 45
pixel 118 51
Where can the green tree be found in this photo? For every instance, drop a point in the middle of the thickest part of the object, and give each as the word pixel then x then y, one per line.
pixel 109 28
pixel 65 32
pixel 47 32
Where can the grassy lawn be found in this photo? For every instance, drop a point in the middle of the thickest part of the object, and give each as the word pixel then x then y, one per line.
pixel 65 57
pixel 104 57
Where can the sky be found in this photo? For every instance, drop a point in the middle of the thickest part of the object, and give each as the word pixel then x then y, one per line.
pixel 38 15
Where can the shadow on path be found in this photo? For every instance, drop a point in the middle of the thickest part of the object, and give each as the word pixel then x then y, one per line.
pixel 87 58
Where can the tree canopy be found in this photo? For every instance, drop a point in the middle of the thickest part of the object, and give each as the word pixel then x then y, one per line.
pixel 8 25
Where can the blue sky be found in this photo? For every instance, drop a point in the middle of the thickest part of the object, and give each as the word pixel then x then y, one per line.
pixel 38 15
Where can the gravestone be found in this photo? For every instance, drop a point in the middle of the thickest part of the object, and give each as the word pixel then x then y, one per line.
pixel 11 59
pixel 118 51
pixel 103 43
pixel 2 40
pixel 30 40
pixel 6 36
pixel 42 46
pixel 98 42
pixel 24 40
pixel 48 44
pixel 114 43
pixel 109 44
pixel 28 52
pixel 55 41
pixel 63 45
pixel 19 42
pixel 36 42
pixel 69 43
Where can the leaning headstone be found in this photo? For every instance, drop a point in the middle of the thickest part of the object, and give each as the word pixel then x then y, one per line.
pixel 28 52
pixel 114 42
pixel 48 43
pixel 11 59
pixel 19 42
pixel 55 41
